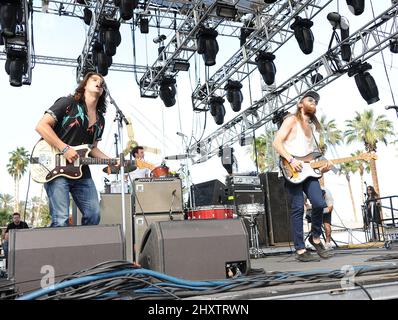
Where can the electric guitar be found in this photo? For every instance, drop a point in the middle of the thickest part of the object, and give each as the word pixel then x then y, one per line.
pixel 311 166
pixel 47 163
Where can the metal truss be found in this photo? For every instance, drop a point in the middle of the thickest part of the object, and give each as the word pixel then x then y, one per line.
pixel 365 43
pixel 273 33
pixel 21 42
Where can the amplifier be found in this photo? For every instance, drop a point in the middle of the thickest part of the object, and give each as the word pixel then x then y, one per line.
pixel 157 195
pixel 245 180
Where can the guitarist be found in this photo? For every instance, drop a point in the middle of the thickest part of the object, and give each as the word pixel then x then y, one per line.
pixel 298 135
pixel 72 121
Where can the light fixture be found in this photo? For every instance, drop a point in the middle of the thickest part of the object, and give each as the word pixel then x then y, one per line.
pixel 234 95
pixel 339 22
pixel 245 32
pixel 16 66
pixel 315 78
pixel 110 36
pixel 394 45
pixel 207 45
pixel 87 15
pixel 270 1
pixel 180 65
pixel 365 83
pixel 227 158
pixel 356 6
pixel 144 24
pixel 279 116
pixel 127 8
pixel 226 11
pixel 303 34
pixel 266 66
pixel 168 91
pixel 8 18
pixel 160 38
pixel 217 109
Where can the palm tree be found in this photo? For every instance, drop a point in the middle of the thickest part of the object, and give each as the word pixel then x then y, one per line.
pixel 369 130
pixel 362 167
pixel 5 200
pixel 330 135
pixel 16 167
pixel 266 158
pixel 346 169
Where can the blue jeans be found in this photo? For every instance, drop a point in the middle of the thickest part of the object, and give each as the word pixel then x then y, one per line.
pixel 313 191
pixel 84 194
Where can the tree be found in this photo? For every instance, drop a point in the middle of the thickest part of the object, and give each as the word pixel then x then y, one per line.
pixel 369 130
pixel 346 169
pixel 16 167
pixel 5 200
pixel 330 135
pixel 5 216
pixel 266 159
pixel 362 167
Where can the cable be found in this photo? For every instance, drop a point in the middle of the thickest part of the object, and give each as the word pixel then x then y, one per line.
pixel 357 284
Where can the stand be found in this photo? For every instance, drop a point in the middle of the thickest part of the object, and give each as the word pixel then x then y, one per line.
pixel 254 243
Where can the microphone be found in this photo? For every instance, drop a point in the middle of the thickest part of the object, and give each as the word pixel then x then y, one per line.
pixel 391 107
pixel 177 157
pixel 180 134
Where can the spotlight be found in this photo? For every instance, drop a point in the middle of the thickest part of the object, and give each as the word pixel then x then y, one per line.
pixel 217 109
pixel 394 45
pixel 339 22
pixel 110 36
pixel 8 18
pixel 266 66
pixel 356 6
pixel 303 34
pixel 127 8
pixel 144 25
pixel 234 95
pixel 227 158
pixel 279 116
pixel 269 1
pixel 159 38
pixel 366 84
pixel 180 65
pixel 207 45
pixel 168 91
pixel 16 66
pixel 226 11
pixel 88 14
pixel 245 32
pixel 317 77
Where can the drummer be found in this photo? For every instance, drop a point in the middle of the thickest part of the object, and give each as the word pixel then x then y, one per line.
pixel 138 153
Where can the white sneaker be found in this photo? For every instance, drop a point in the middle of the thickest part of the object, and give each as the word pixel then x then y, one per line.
pixel 328 246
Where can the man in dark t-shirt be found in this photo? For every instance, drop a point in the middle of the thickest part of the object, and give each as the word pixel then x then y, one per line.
pixel 15 224
pixel 70 122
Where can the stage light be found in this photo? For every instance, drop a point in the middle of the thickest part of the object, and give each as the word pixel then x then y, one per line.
pixel 234 95
pixel 127 8
pixel 110 36
pixel 339 22
pixel 266 66
pixel 227 158
pixel 303 34
pixel 226 11
pixel 180 65
pixel 168 91
pixel 317 77
pixel 144 25
pixel 245 32
pixel 365 83
pixel 16 66
pixel 394 45
pixel 270 1
pixel 356 6
pixel 207 45
pixel 88 14
pixel 8 18
pixel 217 109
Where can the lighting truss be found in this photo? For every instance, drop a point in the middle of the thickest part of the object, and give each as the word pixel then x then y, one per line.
pixel 365 43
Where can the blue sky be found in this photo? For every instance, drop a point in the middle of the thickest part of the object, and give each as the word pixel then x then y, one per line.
pixel 156 125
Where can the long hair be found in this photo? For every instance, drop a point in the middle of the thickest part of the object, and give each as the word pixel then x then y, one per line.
pixel 313 118
pixel 373 193
pixel 79 92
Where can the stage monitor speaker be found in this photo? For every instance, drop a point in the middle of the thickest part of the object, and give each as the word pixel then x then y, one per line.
pixel 209 193
pixel 276 207
pixel 111 213
pixel 35 255
pixel 158 195
pixel 196 249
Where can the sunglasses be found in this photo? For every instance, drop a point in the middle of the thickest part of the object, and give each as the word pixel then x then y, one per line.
pixel 312 100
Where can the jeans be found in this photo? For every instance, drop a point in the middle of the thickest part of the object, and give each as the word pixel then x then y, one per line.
pixel 313 191
pixel 5 249
pixel 84 194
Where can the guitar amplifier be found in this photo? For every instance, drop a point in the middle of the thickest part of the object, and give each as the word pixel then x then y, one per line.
pixel 160 195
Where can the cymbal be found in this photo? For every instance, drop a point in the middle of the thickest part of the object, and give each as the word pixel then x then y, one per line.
pixel 116 170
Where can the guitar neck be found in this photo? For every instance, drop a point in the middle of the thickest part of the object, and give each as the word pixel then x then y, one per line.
pixel 98 161
pixel 321 163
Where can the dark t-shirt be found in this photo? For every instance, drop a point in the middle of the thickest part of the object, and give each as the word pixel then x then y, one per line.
pixel 21 225
pixel 72 124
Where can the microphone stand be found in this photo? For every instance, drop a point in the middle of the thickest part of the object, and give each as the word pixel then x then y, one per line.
pixel 190 194
pixel 119 118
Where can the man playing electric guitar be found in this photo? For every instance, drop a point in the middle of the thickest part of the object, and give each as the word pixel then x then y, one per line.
pixel 299 136
pixel 73 121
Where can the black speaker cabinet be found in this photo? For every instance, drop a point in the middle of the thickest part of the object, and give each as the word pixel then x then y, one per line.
pixel 157 195
pixel 37 254
pixel 196 249
pixel 276 207
pixel 209 193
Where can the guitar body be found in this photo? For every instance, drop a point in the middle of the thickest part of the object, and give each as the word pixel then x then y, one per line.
pixel 307 171
pixel 47 163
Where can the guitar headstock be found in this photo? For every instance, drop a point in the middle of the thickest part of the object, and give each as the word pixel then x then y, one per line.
pixel 368 156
